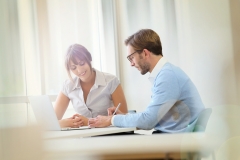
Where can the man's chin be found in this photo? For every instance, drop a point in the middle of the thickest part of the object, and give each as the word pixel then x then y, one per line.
pixel 143 72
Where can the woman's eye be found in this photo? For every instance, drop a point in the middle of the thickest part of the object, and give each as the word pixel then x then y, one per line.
pixel 73 67
pixel 81 63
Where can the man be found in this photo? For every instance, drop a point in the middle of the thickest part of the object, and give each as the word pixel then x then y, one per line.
pixel 175 102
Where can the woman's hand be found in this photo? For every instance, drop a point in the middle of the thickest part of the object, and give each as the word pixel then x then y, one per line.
pixel 75 121
pixel 84 119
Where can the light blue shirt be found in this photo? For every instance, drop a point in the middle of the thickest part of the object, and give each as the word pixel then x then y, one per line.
pixel 175 102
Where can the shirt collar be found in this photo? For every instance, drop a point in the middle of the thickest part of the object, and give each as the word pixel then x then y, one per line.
pixel 99 80
pixel 156 69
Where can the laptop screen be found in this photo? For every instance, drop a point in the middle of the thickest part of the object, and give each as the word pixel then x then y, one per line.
pixel 44 112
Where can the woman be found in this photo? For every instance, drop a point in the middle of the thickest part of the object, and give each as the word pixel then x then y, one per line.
pixel 91 92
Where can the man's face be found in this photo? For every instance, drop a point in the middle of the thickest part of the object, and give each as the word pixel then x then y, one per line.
pixel 137 60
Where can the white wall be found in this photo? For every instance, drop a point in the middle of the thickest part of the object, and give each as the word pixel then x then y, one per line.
pixel 201 37
pixel 204 50
pixel 211 54
pixel 132 16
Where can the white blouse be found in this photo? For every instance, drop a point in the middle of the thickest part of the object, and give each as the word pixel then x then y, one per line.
pixel 99 98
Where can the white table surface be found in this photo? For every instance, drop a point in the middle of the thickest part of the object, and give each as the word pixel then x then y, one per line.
pixel 135 144
pixel 85 132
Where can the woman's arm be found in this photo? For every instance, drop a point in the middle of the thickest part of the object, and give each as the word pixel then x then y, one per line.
pixel 61 105
pixel 118 97
pixel 60 108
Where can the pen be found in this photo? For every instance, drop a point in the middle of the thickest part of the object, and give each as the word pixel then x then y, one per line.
pixel 116 109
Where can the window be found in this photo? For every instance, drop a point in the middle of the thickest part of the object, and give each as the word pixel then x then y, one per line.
pixel 36 35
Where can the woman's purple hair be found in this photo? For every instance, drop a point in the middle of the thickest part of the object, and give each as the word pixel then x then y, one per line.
pixel 77 52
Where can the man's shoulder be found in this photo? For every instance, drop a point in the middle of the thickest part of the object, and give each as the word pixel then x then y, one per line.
pixel 171 71
pixel 169 67
pixel 70 83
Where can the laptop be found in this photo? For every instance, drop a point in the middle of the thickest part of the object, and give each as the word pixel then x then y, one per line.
pixel 45 114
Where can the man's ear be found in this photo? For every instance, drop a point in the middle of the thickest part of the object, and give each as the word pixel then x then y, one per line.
pixel 146 52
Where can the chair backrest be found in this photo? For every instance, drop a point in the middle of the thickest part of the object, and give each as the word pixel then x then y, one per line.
pixel 202 120
pixel 132 111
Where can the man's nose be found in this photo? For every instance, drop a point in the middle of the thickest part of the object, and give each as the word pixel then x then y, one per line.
pixel 132 63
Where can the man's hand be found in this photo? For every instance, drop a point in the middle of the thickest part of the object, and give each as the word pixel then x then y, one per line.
pixel 100 121
pixel 112 109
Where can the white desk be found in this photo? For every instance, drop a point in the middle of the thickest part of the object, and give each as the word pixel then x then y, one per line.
pixel 135 146
pixel 85 132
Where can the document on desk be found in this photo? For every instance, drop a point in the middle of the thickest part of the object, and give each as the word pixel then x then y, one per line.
pixel 86 132
pixel 80 128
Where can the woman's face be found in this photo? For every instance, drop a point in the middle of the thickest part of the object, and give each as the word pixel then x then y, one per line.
pixel 81 70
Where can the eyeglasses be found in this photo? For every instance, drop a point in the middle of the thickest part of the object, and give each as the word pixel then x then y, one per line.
pixel 130 58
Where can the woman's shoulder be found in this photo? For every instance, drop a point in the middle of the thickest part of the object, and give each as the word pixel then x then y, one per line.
pixel 68 83
pixel 104 78
pixel 107 76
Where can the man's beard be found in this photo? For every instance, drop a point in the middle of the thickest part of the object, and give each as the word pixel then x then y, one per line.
pixel 144 66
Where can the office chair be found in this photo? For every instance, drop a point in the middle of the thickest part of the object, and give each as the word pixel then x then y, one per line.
pixel 201 124
pixel 202 120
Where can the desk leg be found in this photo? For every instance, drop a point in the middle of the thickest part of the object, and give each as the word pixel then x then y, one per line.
pixel 167 156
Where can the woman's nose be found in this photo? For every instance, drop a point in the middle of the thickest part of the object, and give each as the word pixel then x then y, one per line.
pixel 78 69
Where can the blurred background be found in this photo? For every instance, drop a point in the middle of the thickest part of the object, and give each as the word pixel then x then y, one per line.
pixel 200 36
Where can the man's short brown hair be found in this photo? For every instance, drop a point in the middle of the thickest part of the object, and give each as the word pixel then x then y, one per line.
pixel 145 39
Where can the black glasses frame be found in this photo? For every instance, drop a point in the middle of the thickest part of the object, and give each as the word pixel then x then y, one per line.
pixel 128 57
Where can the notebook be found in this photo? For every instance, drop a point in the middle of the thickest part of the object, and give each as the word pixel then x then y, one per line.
pixel 45 114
